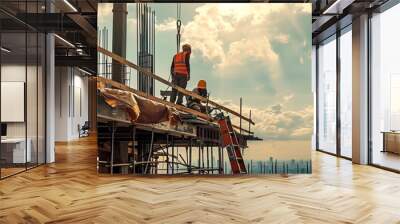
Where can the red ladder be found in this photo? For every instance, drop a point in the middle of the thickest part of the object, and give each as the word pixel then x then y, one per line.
pixel 230 141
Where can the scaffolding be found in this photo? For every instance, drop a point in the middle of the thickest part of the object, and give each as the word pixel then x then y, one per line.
pixel 191 147
pixel 158 151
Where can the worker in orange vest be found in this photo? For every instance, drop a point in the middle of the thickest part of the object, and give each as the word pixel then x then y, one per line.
pixel 180 72
pixel 194 103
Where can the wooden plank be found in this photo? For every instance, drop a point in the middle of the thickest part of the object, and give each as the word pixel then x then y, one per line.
pixel 179 89
pixel 147 127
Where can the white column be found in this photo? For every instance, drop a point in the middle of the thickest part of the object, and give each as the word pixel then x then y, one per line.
pixel 314 91
pixel 360 90
pixel 50 99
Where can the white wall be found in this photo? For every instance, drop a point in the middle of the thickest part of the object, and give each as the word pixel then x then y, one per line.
pixel 16 73
pixel 33 127
pixel 71 102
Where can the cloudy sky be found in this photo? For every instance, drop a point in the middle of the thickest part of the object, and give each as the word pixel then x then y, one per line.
pixel 260 52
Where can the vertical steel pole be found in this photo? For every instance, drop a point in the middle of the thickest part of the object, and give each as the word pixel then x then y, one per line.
pixel 199 164
pixel 177 158
pixel 187 156
pixel 173 153
pixel 212 159
pixel 240 118
pixel 112 148
pixel 150 152
pixel 133 148
pixel 167 154
pixel 219 160
pixel 208 160
pixel 223 160
pixel 202 157
pixel 190 156
pixel 154 49
pixel 249 122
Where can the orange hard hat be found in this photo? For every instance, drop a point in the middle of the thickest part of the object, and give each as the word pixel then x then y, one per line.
pixel 202 84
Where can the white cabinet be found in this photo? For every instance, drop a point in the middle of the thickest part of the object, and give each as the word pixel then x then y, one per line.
pixel 18 149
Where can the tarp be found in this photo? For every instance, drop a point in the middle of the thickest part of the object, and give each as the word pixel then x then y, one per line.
pixel 139 109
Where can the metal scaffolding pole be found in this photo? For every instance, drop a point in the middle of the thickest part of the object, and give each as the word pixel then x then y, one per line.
pixel 150 152
pixel 173 153
pixel 199 164
pixel 190 156
pixel 208 160
pixel 202 157
pixel 133 147
pixel 220 160
pixel 212 159
pixel 177 158
pixel 167 154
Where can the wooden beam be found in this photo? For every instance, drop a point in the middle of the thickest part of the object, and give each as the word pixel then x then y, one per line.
pixel 179 89
pixel 243 130
pixel 150 97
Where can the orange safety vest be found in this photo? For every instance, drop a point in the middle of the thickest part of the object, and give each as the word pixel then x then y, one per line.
pixel 180 63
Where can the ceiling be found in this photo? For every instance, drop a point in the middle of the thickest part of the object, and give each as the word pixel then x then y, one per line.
pixel 76 22
pixel 330 15
pixel 72 20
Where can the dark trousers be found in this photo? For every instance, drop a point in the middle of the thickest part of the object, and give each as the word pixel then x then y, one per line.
pixel 180 81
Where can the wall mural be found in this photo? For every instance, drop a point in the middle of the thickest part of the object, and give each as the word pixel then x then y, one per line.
pixel 208 88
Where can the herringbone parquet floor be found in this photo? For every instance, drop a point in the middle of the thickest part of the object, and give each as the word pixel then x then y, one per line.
pixel 70 191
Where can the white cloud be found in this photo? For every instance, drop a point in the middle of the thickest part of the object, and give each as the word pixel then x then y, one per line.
pixel 229 35
pixel 288 97
pixel 255 48
pixel 166 25
pixel 304 7
pixel 282 38
pixel 277 122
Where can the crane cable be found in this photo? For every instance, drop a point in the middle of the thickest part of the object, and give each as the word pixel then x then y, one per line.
pixel 178 34
pixel 178 26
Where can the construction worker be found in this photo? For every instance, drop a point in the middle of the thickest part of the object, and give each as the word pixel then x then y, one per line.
pixel 194 103
pixel 180 72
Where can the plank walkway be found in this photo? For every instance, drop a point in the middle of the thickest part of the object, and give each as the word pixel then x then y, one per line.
pixel 70 191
